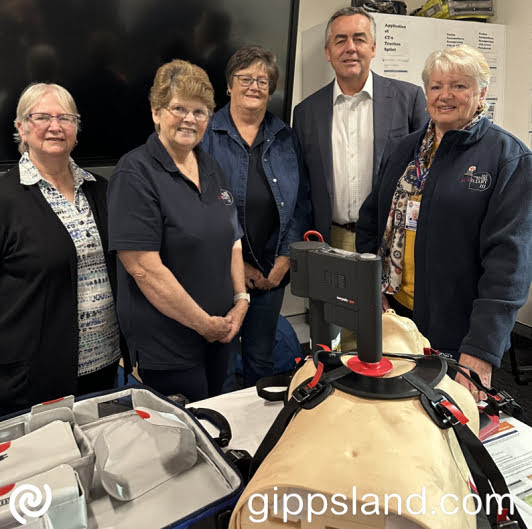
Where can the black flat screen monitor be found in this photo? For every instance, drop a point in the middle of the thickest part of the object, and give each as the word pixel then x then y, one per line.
pixel 106 53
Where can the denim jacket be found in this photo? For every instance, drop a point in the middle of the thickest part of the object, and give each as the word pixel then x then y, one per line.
pixel 282 165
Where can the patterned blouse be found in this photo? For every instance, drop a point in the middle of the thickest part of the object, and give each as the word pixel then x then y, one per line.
pixel 98 342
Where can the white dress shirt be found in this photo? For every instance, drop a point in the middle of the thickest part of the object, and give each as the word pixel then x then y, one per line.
pixel 352 149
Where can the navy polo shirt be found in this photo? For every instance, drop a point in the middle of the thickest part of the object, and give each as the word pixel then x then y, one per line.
pixel 154 207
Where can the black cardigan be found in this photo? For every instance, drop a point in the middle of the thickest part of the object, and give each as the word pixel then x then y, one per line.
pixel 38 293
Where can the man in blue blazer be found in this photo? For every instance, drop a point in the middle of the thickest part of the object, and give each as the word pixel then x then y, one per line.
pixel 345 128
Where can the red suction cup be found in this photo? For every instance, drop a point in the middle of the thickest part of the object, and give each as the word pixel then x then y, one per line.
pixel 377 369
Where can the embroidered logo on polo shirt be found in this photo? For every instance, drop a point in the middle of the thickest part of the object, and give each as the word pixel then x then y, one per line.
pixel 226 197
pixel 476 180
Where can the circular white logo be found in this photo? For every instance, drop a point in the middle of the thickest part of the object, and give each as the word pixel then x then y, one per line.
pixel 226 196
pixel 31 498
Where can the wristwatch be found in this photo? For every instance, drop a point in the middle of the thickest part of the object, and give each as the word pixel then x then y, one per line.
pixel 242 295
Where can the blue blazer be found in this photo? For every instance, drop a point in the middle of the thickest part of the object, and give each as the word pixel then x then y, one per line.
pixel 398 110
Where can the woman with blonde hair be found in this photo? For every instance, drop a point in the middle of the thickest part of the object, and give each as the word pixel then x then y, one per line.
pixel 173 222
pixel 58 329
pixel 451 218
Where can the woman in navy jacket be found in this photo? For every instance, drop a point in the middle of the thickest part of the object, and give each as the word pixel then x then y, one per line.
pixel 459 193
pixel 260 158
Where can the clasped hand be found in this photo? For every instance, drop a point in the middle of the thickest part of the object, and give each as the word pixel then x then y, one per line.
pixel 224 328
pixel 256 279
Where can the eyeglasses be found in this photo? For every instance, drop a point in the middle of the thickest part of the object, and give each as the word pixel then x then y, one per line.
pixel 246 81
pixel 199 114
pixel 42 119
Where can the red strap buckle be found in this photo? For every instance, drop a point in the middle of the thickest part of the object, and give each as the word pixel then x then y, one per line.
pixel 317 376
pixel 502 515
pixel 458 415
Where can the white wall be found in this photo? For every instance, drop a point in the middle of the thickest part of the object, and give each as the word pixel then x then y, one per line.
pixel 311 13
pixel 517 16
pixel 414 4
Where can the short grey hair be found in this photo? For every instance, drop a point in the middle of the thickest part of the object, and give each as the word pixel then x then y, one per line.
pixel 464 59
pixel 30 96
pixel 348 12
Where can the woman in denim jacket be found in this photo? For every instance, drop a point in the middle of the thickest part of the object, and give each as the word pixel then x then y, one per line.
pixel 259 155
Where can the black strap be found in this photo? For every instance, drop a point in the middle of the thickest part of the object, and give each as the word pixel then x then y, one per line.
pixel 271 382
pixel 497 400
pixel 274 434
pixel 486 474
pixel 422 386
pixel 217 420
pixel 302 395
pixel 461 368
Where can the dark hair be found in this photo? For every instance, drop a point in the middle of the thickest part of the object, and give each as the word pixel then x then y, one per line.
pixel 348 12
pixel 249 55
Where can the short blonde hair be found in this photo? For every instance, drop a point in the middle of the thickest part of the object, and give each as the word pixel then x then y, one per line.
pixel 182 79
pixel 30 96
pixel 464 59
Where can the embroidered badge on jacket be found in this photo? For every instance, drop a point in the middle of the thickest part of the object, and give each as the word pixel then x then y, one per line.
pixel 477 181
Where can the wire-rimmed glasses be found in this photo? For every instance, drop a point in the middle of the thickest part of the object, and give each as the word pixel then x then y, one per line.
pixel 246 81
pixel 179 111
pixel 43 119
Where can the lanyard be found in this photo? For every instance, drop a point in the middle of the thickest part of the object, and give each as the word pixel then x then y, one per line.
pixel 421 176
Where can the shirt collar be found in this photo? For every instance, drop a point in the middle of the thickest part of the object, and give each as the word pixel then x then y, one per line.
pixel 222 120
pixel 159 152
pixel 30 175
pixel 367 88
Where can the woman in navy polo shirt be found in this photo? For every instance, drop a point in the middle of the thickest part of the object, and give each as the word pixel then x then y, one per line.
pixel 172 220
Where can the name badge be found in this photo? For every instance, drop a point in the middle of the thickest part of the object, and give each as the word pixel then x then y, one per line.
pixel 412 214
